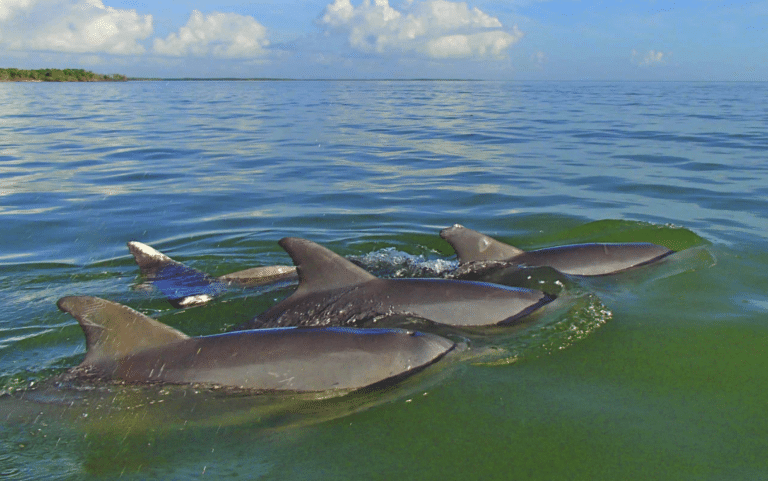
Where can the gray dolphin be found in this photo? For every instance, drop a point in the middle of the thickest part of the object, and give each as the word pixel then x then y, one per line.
pixel 185 286
pixel 126 345
pixel 580 259
pixel 334 291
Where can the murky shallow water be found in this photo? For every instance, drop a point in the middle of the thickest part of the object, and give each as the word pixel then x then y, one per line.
pixel 657 373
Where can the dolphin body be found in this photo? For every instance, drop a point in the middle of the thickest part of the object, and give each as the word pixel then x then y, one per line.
pixel 126 345
pixel 185 286
pixel 579 259
pixel 335 292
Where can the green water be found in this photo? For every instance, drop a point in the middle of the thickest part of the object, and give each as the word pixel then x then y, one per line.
pixel 657 373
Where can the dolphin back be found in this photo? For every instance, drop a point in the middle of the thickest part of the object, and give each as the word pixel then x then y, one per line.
pixel 259 276
pixel 460 303
pixel 126 345
pixel 595 259
pixel 577 259
pixel 291 359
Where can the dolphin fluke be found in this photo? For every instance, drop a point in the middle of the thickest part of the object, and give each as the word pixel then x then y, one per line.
pixel 123 344
pixel 578 259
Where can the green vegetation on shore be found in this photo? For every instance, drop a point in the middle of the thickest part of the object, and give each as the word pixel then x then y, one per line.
pixel 56 75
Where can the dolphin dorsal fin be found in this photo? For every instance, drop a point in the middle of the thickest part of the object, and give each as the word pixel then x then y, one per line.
pixel 320 269
pixel 148 258
pixel 473 246
pixel 113 331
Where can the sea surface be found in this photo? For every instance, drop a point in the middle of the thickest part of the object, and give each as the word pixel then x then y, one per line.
pixel 657 373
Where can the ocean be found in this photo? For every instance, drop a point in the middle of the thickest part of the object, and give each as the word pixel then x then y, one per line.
pixel 655 373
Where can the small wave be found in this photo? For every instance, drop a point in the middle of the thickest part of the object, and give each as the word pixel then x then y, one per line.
pixel 577 322
pixel 15 340
pixel 615 230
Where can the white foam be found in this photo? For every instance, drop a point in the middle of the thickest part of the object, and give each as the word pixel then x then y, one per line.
pixel 390 262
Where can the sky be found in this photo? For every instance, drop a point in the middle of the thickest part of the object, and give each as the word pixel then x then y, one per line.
pixel 363 39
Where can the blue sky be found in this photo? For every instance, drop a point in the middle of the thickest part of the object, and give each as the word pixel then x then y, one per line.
pixel 520 40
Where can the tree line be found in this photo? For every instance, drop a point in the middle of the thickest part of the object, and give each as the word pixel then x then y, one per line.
pixel 57 75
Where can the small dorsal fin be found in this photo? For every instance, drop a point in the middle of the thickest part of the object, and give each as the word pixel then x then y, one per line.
pixel 148 258
pixel 113 331
pixel 181 284
pixel 320 269
pixel 472 246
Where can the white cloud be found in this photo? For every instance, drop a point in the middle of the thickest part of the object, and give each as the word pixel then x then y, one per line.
pixel 485 44
pixel 450 15
pixel 652 57
pixel 227 35
pixel 84 26
pixel 8 8
pixel 435 28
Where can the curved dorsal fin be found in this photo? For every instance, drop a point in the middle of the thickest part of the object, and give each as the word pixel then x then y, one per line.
pixel 181 284
pixel 472 246
pixel 113 331
pixel 149 259
pixel 320 269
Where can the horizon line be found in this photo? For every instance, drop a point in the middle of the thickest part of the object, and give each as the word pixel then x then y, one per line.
pixel 415 79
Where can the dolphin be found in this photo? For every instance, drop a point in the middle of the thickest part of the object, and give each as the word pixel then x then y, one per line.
pixel 579 259
pixel 334 291
pixel 123 344
pixel 185 286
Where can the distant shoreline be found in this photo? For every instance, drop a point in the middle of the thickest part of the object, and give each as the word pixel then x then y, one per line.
pixel 80 75
pixel 56 75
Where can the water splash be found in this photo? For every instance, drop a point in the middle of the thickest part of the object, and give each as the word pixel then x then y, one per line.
pixel 390 262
